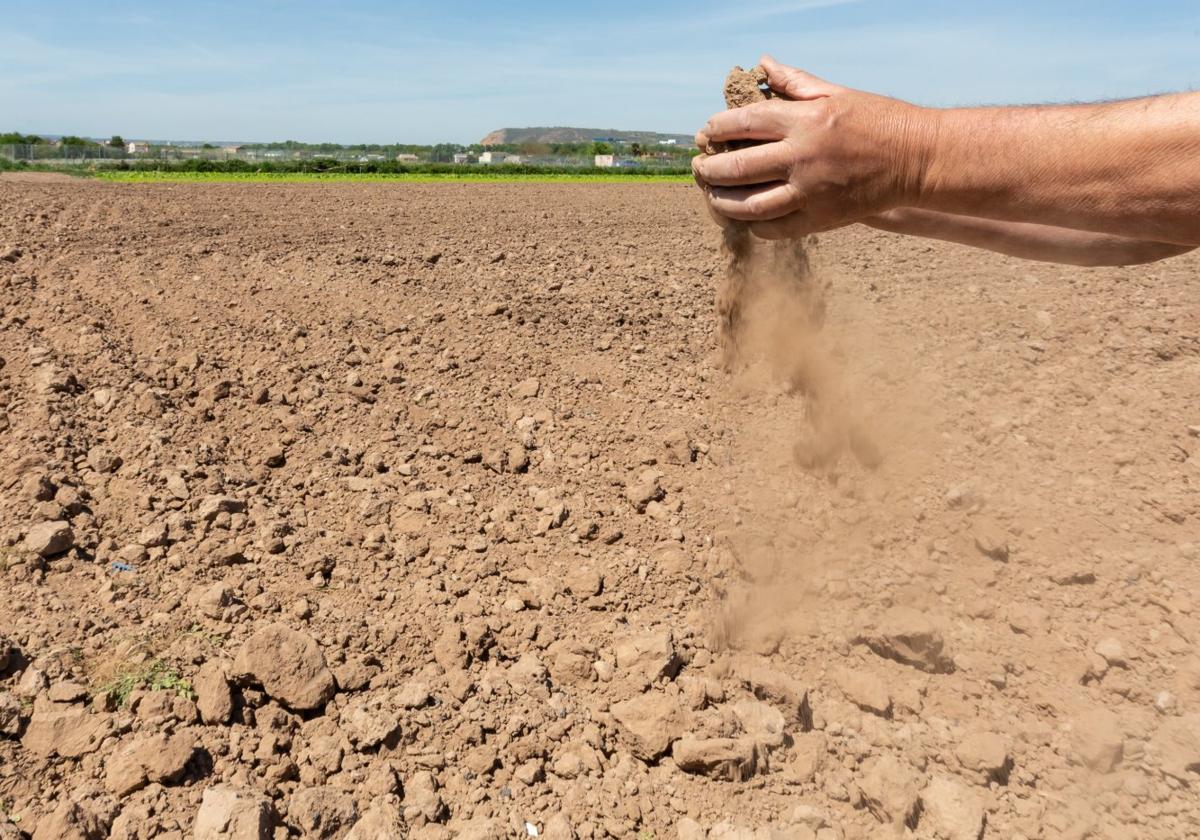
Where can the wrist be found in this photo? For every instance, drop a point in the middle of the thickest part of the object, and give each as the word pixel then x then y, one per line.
pixel 921 137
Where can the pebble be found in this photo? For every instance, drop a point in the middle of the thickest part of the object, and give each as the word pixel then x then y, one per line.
pixel 228 812
pixel 288 664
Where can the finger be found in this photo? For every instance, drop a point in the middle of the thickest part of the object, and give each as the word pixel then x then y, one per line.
pixel 702 141
pixel 760 121
pixel 752 165
pixel 759 203
pixel 697 163
pixel 793 82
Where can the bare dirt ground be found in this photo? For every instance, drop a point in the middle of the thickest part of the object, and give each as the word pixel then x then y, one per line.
pixel 387 511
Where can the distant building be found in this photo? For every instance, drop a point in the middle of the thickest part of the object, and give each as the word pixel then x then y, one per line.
pixel 670 142
pixel 499 157
pixel 231 150
pixel 604 161
pixel 138 147
pixel 407 158
pixel 462 157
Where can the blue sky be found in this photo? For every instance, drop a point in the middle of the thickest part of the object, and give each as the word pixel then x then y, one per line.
pixel 369 71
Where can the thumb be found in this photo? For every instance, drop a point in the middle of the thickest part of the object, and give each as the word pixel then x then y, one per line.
pixel 793 82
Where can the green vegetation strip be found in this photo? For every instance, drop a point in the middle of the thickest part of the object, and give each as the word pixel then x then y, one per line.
pixel 380 177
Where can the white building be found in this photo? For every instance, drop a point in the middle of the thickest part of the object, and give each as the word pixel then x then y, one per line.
pixel 462 157
pixel 138 147
pixel 499 157
pixel 404 157
pixel 604 161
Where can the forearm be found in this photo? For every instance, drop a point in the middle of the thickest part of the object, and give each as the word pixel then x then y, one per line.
pixel 1027 241
pixel 1125 168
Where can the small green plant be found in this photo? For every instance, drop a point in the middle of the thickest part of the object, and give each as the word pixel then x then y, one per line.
pixel 205 635
pixel 156 676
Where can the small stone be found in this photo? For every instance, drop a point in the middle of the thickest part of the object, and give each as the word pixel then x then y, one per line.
pixel 72 820
pixel 103 460
pixel 1176 748
pixel 991 541
pixel 527 388
pixel 1112 651
pixel 10 715
pixel 907 636
pixel 987 754
pixel 688 829
pixel 649 723
pixel 370 720
pixel 214 697
pixel 288 664
pixel 678 448
pixel 731 759
pixel 322 813
pixel 951 810
pixel 67 730
pixel 67 691
pixel 888 790
pixel 864 690
pixel 160 759
pixel 232 813
pixel 49 538
pixel 383 820
pixel 1097 740
pixel 650 654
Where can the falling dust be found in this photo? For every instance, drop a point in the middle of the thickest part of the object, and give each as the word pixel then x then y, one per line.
pixel 771 311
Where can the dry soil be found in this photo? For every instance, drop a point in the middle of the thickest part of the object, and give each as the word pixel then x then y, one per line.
pixel 385 511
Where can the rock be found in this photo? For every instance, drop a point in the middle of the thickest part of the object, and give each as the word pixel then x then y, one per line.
pixel 762 722
pixel 7 651
pixel 527 388
pixel 214 697
pixel 10 253
pixel 864 690
pixel 232 813
pixel 650 654
pixel 103 460
pixel 688 829
pixel 558 827
pixel 156 758
pixel 371 720
pixel 1112 651
pixel 907 636
pixel 775 686
pixel 67 691
pixel 382 820
pixel 324 813
pixel 72 820
pixel 69 731
pixel 951 810
pixel 991 541
pixel 211 506
pixel 10 715
pixel 732 759
pixel 1097 741
pixel 677 448
pixel 49 538
pixel 649 723
pixel 422 802
pixel 643 490
pixel 1176 747
pixel 412 695
pixel 888 790
pixel 288 664
pixel 987 754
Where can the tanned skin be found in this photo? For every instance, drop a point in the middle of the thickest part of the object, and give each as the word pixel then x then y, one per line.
pixel 1114 183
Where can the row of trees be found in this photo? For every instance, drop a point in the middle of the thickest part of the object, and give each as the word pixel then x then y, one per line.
pixel 16 138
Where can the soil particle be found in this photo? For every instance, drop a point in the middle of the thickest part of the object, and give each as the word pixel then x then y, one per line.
pixel 649 723
pixel 288 664
pixel 322 813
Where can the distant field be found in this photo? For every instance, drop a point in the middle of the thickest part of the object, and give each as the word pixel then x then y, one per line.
pixel 405 177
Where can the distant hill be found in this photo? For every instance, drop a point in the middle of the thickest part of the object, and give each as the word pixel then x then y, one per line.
pixel 563 134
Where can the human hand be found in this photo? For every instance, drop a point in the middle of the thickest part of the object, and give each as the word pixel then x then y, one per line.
pixel 832 156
